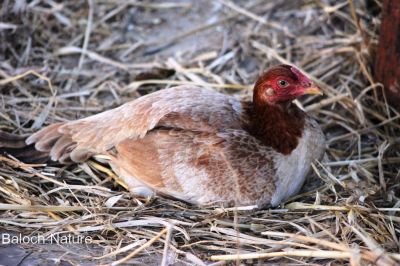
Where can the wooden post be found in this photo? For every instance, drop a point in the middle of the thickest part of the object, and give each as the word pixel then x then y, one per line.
pixel 387 62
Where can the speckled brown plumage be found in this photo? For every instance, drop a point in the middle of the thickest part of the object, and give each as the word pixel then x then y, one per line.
pixel 200 145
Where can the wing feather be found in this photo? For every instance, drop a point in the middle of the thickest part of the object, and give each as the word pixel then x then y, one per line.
pixel 182 107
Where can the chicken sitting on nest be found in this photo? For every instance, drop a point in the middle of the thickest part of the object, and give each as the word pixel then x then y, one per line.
pixel 199 145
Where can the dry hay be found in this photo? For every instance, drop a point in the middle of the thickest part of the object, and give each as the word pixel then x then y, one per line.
pixel 63 61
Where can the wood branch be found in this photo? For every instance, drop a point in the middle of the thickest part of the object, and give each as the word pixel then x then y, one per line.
pixel 387 64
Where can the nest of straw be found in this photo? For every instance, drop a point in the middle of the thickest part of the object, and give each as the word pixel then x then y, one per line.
pixel 62 61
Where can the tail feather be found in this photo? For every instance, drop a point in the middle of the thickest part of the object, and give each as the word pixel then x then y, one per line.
pixel 8 140
pixel 15 145
pixel 49 143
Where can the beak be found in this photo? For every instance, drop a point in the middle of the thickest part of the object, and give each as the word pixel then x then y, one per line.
pixel 313 90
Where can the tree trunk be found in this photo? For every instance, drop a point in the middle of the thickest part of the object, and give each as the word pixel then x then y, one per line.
pixel 387 63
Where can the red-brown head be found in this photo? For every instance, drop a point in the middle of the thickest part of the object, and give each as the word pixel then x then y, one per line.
pixel 281 84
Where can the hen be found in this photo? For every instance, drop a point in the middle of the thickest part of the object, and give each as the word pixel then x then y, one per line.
pixel 199 145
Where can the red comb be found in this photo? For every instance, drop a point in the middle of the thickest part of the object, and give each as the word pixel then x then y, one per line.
pixel 297 72
pixel 301 77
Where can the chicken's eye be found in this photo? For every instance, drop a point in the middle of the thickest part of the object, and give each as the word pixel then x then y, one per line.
pixel 283 83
